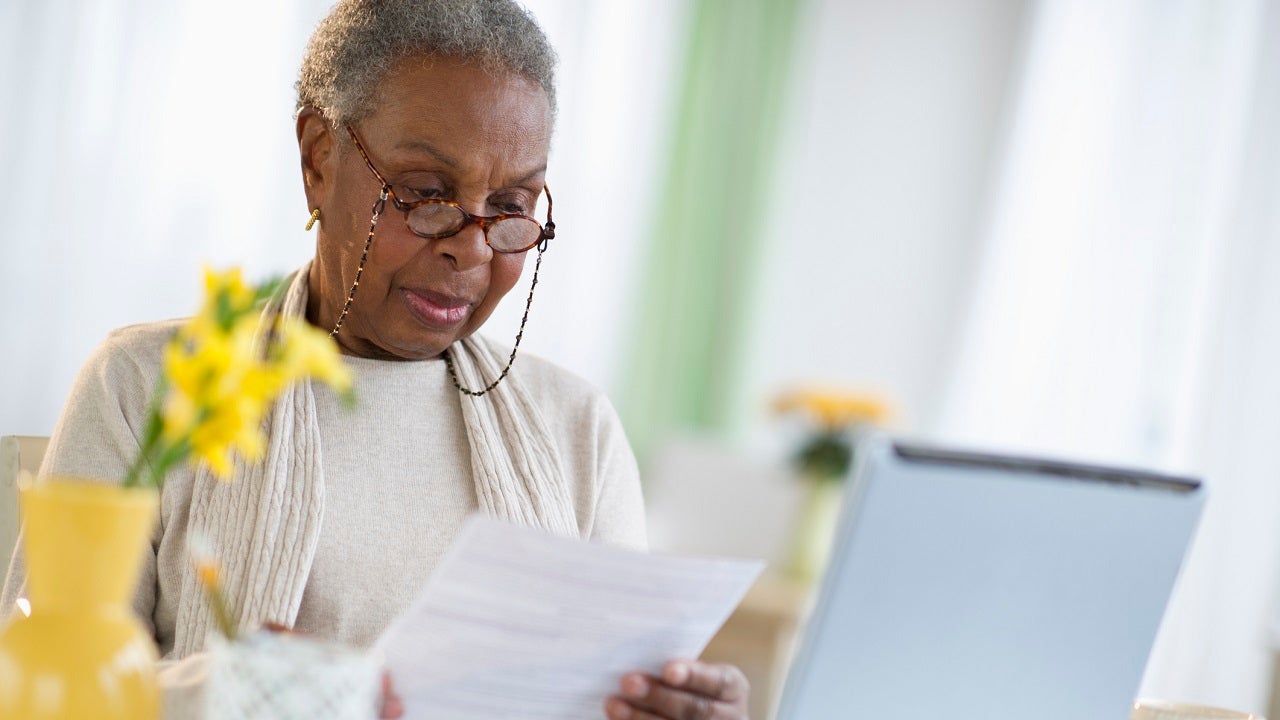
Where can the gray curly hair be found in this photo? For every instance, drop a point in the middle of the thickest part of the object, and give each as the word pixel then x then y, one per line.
pixel 354 47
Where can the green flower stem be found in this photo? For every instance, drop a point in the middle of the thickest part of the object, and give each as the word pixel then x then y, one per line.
pixel 150 437
pixel 170 456
pixel 221 612
pixel 827 455
pixel 155 456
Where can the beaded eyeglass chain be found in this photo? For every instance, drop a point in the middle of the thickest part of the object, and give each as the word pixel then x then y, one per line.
pixel 378 207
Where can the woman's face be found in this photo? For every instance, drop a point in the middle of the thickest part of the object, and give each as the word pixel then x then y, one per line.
pixel 443 129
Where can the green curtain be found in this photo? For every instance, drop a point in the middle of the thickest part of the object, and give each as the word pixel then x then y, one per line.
pixel 684 365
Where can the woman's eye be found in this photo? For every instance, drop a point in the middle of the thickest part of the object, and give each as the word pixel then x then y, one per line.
pixel 424 193
pixel 509 206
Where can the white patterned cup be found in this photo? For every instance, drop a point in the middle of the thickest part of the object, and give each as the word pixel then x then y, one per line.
pixel 278 676
pixel 1163 710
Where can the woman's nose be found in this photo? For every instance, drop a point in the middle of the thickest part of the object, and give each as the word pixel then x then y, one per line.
pixel 467 248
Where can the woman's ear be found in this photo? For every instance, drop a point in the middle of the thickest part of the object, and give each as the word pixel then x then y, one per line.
pixel 318 151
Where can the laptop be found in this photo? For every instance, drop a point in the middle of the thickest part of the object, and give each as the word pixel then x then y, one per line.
pixel 965 585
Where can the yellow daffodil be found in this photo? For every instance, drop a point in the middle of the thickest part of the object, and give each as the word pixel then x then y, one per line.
pixel 227 298
pixel 209 576
pixel 834 409
pixel 827 453
pixel 306 351
pixel 222 371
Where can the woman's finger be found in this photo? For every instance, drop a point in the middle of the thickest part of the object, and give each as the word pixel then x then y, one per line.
pixel 650 697
pixel 718 681
pixel 391 707
pixel 617 708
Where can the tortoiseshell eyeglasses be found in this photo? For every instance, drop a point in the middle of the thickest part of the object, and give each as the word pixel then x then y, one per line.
pixel 433 218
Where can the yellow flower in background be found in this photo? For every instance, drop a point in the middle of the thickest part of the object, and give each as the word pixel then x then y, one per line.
pixel 834 409
pixel 827 453
pixel 222 371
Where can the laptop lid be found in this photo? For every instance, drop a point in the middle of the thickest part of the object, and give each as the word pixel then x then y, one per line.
pixel 964 585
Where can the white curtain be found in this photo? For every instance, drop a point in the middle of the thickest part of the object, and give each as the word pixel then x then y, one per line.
pixel 140 139
pixel 1127 305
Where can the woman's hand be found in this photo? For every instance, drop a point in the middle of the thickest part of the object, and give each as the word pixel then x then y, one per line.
pixel 687 690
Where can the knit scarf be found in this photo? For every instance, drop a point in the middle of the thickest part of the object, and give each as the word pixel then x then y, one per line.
pixel 265 524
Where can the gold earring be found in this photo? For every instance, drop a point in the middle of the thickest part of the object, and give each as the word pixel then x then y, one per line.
pixel 315 215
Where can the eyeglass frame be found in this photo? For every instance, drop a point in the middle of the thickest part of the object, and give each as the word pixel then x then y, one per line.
pixel 546 231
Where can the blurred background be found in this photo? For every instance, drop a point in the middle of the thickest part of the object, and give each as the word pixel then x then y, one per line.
pixel 1046 226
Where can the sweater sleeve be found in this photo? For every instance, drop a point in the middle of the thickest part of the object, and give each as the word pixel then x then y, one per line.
pixel 97 434
pixel 619 513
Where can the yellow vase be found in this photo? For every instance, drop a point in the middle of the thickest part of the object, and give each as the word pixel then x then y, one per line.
pixel 81 653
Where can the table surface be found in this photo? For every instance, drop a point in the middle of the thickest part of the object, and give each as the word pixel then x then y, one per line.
pixel 760 636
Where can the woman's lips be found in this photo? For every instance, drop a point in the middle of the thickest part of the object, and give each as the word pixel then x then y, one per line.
pixel 436 310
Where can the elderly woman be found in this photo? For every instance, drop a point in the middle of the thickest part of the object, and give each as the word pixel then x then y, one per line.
pixel 423 131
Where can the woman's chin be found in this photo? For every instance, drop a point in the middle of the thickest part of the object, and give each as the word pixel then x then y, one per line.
pixel 405 339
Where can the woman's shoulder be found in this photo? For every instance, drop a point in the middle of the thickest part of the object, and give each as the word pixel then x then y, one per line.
pixel 131 352
pixel 105 413
pixel 143 339
pixel 594 448
pixel 549 383
pixel 128 359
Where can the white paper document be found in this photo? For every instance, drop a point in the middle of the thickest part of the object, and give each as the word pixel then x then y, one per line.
pixel 516 623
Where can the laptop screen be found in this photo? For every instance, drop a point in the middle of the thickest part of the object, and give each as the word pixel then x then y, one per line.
pixel 978 586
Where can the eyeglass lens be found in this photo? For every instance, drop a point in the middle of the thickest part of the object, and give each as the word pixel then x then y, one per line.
pixel 506 235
